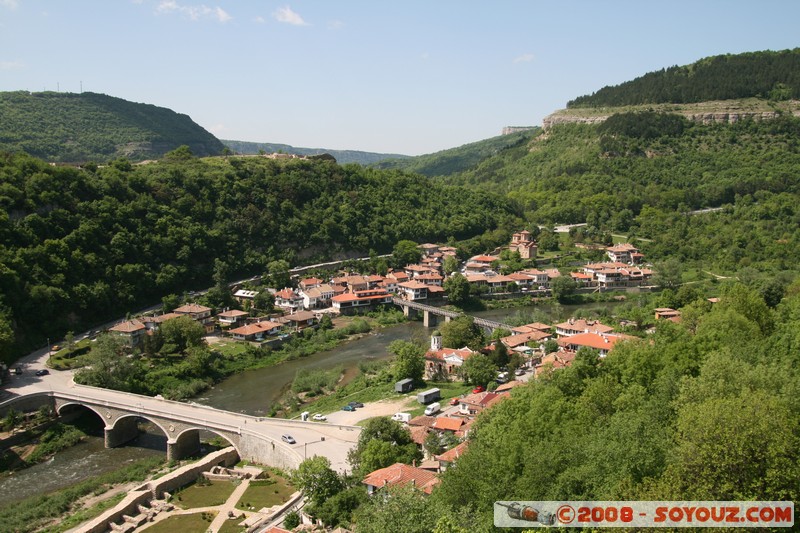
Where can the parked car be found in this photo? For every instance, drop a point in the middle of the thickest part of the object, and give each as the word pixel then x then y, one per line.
pixel 287 438
pixel 356 404
pixel 319 417
pixel 18 371
pixel 42 372
pixel 454 401
pixel 348 407
pixel 520 372
pixel 55 348
pixel 478 389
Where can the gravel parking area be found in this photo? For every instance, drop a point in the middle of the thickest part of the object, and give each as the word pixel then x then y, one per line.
pixel 381 408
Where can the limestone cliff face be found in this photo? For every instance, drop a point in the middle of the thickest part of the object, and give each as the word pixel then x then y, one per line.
pixel 704 118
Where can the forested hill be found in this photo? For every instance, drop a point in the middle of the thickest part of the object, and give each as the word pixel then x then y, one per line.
pixel 341 156
pixel 82 246
pixel 607 173
pixel 70 127
pixel 767 74
pixel 458 159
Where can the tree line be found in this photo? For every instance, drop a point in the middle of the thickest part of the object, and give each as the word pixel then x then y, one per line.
pixel 767 74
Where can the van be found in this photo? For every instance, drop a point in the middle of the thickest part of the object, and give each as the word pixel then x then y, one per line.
pixel 402 417
pixel 432 409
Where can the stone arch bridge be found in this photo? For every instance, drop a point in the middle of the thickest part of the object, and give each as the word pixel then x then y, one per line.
pixel 256 439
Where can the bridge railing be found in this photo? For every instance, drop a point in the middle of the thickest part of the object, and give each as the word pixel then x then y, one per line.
pixel 183 405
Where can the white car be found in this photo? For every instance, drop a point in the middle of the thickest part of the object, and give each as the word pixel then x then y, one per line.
pixel 319 417
pixel 288 439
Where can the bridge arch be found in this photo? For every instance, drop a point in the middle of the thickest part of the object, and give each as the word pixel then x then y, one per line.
pixel 187 441
pixel 65 409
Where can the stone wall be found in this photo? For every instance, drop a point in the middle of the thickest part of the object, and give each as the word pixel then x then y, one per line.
pixel 155 489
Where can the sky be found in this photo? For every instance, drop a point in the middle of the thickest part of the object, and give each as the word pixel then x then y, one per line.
pixel 406 77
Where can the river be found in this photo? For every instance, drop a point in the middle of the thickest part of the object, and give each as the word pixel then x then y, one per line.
pixel 251 392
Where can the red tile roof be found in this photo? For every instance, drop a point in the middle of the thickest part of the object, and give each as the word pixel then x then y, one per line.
pixel 233 313
pixel 252 329
pixel 591 340
pixel 129 326
pixel 402 474
pixel 422 420
pixel 454 453
pixel 192 308
pixel 448 424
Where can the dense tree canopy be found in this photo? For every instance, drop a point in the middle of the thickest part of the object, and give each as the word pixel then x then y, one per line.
pixel 685 416
pixel 79 247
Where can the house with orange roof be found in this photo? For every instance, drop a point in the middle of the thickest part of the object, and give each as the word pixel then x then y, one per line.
pixel 198 313
pixel 297 321
pixel 428 248
pixel 317 297
pixel 402 475
pixel 398 276
pixel 624 253
pixel 413 290
pixel 554 360
pixel 132 331
pixel 582 279
pixel 351 302
pixel 446 423
pixel 256 331
pixel 665 313
pixel 449 457
pixel 474 403
pixel 231 318
pixel 532 339
pixel 574 326
pixel 288 299
pixel 601 342
pixel 310 283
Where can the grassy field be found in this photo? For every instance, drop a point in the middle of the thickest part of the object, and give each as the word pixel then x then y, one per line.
pixel 265 493
pixel 232 526
pixel 187 523
pixel 210 495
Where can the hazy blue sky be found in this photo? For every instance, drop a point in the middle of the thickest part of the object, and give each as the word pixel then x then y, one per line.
pixel 405 76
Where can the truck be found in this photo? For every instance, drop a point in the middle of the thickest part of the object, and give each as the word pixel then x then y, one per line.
pixel 402 417
pixel 433 408
pixel 404 385
pixel 428 396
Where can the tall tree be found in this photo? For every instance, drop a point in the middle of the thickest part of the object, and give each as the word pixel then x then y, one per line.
pixel 409 362
pixel 405 253
pixel 461 332
pixel 457 288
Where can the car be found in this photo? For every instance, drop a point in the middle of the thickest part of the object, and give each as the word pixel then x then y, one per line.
pixel 348 407
pixel 520 372
pixel 356 404
pixel 18 371
pixel 319 417
pixel 454 401
pixel 42 372
pixel 287 438
pixel 55 348
pixel 478 389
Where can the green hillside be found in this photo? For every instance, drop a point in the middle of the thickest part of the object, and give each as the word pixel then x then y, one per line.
pixel 767 74
pixel 81 246
pixel 69 127
pixel 458 159
pixel 341 156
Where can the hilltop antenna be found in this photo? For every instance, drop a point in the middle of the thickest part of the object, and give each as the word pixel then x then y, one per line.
pixel 58 87
pixel 81 86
